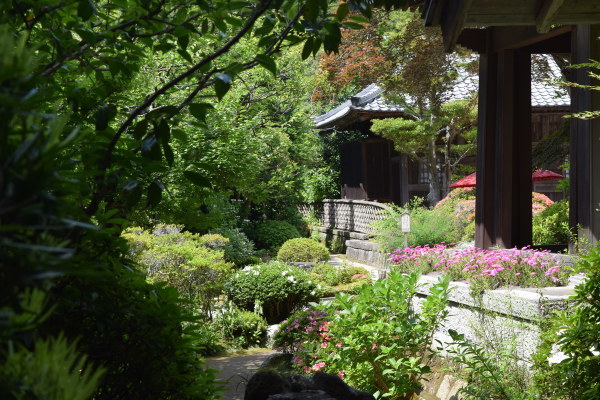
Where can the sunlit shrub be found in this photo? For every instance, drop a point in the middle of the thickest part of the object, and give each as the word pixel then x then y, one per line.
pixel 302 250
pixel 551 225
pixel 275 288
pixel 242 328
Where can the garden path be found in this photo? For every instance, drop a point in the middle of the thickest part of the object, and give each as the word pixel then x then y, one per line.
pixel 236 370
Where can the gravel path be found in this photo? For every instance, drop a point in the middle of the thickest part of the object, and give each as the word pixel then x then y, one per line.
pixel 236 371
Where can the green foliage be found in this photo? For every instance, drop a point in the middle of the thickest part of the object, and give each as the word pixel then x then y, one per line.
pixel 427 226
pixel 244 328
pixel 239 249
pixel 345 279
pixel 302 250
pixel 271 235
pixel 183 260
pixel 570 355
pixel 551 226
pixel 275 288
pixel 490 376
pixel 53 370
pixel 375 340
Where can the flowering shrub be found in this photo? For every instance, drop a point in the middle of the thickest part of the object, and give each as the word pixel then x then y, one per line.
pixel 487 269
pixel 299 335
pixel 375 340
pixel 277 288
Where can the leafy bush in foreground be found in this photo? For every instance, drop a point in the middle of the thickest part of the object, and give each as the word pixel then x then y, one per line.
pixel 375 340
pixel 302 250
pixel 276 288
pixel 551 225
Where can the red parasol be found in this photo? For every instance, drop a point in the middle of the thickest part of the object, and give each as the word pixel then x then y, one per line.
pixel 467 181
pixel 545 175
pixel 538 175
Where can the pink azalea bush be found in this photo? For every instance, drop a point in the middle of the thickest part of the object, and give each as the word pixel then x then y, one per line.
pixel 488 268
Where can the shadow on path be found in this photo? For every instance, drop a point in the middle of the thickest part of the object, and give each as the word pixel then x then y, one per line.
pixel 236 371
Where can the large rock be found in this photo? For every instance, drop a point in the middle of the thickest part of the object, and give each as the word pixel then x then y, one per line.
pixel 271 385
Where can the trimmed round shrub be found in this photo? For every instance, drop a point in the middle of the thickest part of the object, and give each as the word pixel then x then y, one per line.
pixel 278 289
pixel 302 250
pixel 244 328
pixel 271 235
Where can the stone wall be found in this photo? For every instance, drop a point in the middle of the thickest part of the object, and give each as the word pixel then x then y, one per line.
pixel 499 315
pixel 346 215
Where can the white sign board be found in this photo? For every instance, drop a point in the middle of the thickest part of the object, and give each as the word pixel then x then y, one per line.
pixel 405 223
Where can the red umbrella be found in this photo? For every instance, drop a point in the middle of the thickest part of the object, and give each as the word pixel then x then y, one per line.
pixel 545 175
pixel 538 175
pixel 467 181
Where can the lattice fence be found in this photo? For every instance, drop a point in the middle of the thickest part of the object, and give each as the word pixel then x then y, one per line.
pixel 348 215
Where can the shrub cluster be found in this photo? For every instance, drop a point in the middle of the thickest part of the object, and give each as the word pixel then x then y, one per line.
pixel 346 279
pixel 238 249
pixel 244 328
pixel 551 225
pixel 189 262
pixel 302 250
pixel 270 235
pixel 276 288
pixel 484 269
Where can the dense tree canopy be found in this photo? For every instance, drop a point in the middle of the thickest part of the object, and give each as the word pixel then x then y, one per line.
pixel 104 107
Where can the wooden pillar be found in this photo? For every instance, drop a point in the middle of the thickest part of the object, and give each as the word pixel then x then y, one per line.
pixel 503 213
pixel 486 133
pixel 585 139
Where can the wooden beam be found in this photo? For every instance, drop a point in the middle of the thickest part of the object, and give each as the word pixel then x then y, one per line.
pixel 517 37
pixel 543 20
pixel 453 21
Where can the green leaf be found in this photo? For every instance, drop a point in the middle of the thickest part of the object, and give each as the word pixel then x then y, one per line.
pixel 222 85
pixel 104 115
pixel 86 9
pixel 168 152
pixel 163 131
pixel 352 25
pixel 185 55
pixel 268 63
pixel 183 42
pixel 196 178
pixel 199 110
pixel 140 129
pixel 163 111
pixel 307 49
pixel 342 11
pixel 154 193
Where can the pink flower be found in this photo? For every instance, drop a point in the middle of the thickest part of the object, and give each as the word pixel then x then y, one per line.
pixel 374 346
pixel 341 374
pixel 338 344
pixel 318 366
pixel 323 345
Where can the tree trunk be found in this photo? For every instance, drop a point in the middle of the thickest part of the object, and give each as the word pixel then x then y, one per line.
pixel 434 173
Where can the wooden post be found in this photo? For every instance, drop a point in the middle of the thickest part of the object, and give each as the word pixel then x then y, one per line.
pixel 486 133
pixel 585 140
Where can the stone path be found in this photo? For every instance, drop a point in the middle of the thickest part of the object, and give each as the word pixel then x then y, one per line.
pixel 236 371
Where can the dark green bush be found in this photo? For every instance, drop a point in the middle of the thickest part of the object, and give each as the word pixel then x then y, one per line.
pixel 302 250
pixel 551 226
pixel 270 235
pixel 244 328
pixel 239 250
pixel 277 288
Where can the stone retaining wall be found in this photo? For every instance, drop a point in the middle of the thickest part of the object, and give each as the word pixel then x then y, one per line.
pixel 499 315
